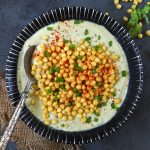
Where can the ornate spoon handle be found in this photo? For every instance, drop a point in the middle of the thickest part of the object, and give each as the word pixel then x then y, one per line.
pixel 8 132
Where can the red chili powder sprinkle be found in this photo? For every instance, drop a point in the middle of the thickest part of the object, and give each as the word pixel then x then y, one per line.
pixel 57 38
pixel 37 53
pixel 52 43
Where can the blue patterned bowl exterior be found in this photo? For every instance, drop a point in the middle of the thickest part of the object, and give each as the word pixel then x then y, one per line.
pixel 135 70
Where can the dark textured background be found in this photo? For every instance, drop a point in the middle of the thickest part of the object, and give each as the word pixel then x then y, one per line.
pixel 15 14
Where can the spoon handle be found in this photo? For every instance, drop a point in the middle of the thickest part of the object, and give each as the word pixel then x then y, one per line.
pixel 8 132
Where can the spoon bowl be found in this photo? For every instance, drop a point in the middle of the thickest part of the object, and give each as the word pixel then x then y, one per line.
pixel 27 62
pixel 30 80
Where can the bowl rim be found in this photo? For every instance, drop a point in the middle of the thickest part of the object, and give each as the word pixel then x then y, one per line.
pixel 68 13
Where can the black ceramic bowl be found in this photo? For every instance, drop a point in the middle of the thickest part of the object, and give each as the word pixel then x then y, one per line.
pixel 135 71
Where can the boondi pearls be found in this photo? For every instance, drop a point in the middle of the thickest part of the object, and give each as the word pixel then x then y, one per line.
pixel 73 80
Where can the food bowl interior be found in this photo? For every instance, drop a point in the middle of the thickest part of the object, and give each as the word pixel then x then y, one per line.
pixel 134 63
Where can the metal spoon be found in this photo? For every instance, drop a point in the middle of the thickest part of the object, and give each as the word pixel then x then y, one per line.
pixel 27 66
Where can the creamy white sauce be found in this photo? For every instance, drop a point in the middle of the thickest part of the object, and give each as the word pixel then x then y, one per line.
pixel 76 32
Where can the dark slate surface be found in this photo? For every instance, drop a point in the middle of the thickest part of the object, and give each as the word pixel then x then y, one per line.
pixel 14 15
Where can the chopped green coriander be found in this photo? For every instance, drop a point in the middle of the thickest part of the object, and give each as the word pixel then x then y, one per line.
pixel 48 91
pixel 54 69
pixel 146 11
pixel 98 83
pixel 110 43
pixel 94 89
pixel 57 69
pixel 69 104
pixel 66 41
pixel 59 79
pixel 50 28
pixel 62 125
pixel 46 54
pixel 136 16
pixel 135 30
pixel 72 46
pixel 113 106
pixel 98 97
pixel 77 67
pixel 94 69
pixel 123 73
pixel 113 94
pixel 78 21
pixel 80 68
pixel 56 99
pixel 86 32
pixel 87 39
pixel 118 108
pixel 77 92
pixel 97 47
pixel 102 104
pixel 62 87
pixel 51 71
pixel 99 37
pixel 56 92
pixel 96 114
pixel 96 119
pixel 88 119
pixel 80 57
